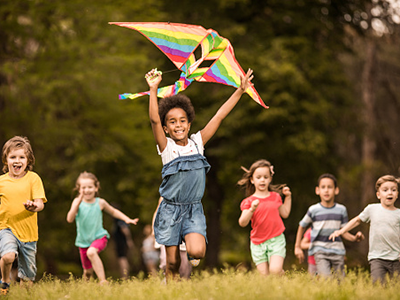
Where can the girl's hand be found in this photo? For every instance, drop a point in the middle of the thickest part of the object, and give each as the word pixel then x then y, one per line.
pixel 153 78
pixel 132 221
pixel 254 205
pixel 286 191
pixel 245 82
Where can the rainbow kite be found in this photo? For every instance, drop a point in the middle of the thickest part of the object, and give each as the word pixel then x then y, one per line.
pixel 179 42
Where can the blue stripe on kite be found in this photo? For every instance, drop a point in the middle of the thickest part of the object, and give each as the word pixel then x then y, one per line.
pixel 222 78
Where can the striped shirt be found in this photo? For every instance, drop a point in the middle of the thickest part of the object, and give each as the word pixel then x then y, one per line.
pixel 324 221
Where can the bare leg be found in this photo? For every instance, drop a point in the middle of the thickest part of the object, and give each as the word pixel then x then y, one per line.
pixel 263 268
pixel 87 274
pixel 6 264
pixel 97 264
pixel 173 261
pixel 28 283
pixel 186 267
pixel 124 267
pixel 195 245
pixel 276 265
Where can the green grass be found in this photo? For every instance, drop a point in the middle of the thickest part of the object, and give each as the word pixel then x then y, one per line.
pixel 225 284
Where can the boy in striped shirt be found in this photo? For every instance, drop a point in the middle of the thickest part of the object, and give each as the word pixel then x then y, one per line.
pixel 324 218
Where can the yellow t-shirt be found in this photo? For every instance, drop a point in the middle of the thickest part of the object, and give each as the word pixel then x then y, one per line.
pixel 13 214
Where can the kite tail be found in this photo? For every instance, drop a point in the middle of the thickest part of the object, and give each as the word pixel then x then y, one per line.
pixel 162 92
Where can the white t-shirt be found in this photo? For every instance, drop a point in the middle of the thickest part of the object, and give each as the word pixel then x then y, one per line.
pixel 384 231
pixel 172 150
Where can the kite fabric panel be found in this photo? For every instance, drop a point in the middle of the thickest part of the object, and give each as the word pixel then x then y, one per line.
pixel 179 42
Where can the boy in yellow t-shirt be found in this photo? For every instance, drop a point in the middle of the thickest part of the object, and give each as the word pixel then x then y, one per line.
pixel 23 196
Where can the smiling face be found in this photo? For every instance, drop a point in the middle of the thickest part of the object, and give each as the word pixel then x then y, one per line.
pixel 388 193
pixel 88 189
pixel 177 126
pixel 261 179
pixel 17 161
pixel 327 191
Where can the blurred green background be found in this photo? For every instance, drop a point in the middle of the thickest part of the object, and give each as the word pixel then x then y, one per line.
pixel 329 70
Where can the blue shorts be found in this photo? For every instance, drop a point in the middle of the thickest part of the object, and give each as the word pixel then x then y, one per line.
pixel 26 253
pixel 262 253
pixel 173 222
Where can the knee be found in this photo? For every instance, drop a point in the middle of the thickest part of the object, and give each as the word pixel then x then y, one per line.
pixel 198 253
pixel 276 271
pixel 91 253
pixel 173 264
pixel 8 258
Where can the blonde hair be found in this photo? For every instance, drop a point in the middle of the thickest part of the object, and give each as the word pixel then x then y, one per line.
pixel 18 142
pixel 248 174
pixel 87 175
pixel 387 178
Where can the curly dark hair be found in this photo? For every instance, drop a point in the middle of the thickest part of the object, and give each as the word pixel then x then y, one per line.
pixel 179 101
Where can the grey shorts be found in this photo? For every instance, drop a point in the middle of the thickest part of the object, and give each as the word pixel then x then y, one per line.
pixel 328 262
pixel 26 253
pixel 382 267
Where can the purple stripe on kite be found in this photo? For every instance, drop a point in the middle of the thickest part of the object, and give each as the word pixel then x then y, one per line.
pixel 175 52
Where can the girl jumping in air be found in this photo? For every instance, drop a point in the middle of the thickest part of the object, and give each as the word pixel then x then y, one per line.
pixel 265 209
pixel 180 215
pixel 92 238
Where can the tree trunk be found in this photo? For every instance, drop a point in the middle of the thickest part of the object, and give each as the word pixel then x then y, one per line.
pixel 368 139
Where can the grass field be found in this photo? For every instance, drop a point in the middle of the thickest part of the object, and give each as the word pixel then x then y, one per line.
pixel 225 284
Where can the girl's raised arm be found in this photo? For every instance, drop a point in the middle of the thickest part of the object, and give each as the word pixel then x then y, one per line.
pixel 285 208
pixel 74 208
pixel 153 79
pixel 213 125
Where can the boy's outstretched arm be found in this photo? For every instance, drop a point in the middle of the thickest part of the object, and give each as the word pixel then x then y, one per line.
pixel 349 226
pixel 297 246
pixel 212 126
pixel 153 79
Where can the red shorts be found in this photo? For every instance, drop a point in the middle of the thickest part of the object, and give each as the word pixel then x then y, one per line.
pixel 99 244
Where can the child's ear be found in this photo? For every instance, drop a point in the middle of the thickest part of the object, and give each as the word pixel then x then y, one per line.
pixel 317 190
pixel 378 195
pixel 336 191
pixel 165 129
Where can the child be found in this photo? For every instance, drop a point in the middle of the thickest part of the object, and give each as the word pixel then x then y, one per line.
pixel 305 245
pixel 324 218
pixel 86 210
pixel 180 215
pixel 384 233
pixel 23 196
pixel 265 210
pixel 149 253
pixel 121 234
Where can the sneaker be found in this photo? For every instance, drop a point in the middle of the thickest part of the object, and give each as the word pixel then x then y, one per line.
pixel 4 288
pixel 195 262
